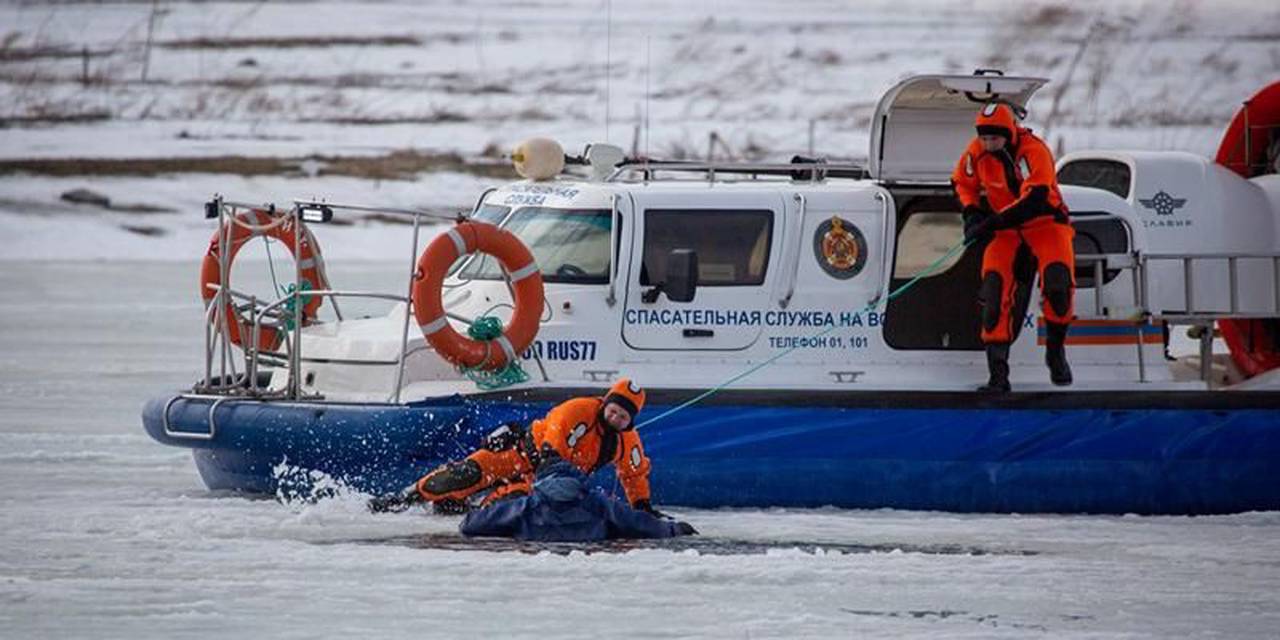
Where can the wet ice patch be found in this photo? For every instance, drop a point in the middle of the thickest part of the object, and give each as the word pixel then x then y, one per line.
pixel 692 545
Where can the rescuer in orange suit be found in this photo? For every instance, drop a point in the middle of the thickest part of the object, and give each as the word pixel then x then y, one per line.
pixel 588 432
pixel 1009 195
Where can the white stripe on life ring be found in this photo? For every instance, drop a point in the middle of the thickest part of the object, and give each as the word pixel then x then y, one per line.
pixel 458 242
pixel 434 326
pixel 524 272
pixel 506 347
pixel 307 264
pixel 257 223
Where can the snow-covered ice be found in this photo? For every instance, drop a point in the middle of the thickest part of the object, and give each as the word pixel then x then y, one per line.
pixel 106 534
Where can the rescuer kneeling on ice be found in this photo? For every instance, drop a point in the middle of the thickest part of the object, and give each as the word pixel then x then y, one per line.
pixel 1006 185
pixel 587 432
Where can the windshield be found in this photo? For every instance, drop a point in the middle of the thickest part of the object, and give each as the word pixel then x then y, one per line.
pixel 490 213
pixel 569 245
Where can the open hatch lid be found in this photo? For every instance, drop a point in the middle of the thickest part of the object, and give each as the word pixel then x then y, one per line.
pixel 923 123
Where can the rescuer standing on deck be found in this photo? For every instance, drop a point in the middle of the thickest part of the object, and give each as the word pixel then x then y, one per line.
pixel 1009 195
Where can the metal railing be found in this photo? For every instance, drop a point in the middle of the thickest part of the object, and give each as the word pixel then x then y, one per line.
pixel 218 343
pixel 1143 309
pixel 1233 260
pixel 813 171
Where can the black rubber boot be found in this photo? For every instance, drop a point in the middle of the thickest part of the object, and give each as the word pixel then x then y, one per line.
pixel 396 502
pixel 998 365
pixel 1055 354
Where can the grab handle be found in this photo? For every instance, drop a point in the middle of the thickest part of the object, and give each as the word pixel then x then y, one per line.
pixel 193 435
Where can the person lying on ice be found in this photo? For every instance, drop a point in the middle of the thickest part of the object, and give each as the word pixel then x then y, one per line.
pixel 561 508
pixel 587 432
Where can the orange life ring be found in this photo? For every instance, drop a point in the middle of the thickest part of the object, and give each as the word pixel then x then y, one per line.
pixel 245 227
pixel 1252 342
pixel 526 282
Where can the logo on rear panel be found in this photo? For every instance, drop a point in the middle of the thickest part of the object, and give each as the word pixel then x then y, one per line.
pixel 1162 203
pixel 840 248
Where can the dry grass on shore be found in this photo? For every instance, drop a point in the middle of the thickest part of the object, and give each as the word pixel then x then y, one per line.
pixel 397 165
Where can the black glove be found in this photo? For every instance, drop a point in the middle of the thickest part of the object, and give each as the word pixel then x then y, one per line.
pixel 1034 205
pixel 685 529
pixel 647 507
pixel 978 223
pixel 449 507
pixel 547 456
pixel 395 502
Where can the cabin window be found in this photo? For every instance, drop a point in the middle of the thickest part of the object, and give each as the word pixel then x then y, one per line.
pixel 569 245
pixel 1097 233
pixel 1108 175
pixel 732 245
pixel 940 310
pixel 925 238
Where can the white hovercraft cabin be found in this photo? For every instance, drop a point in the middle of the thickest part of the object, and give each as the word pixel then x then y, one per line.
pixel 781 258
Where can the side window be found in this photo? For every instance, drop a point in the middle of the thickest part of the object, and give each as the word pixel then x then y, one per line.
pixel 732 245
pixel 1097 234
pixel 1108 175
pixel 925 237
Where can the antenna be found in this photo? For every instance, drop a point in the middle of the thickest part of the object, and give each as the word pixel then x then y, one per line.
pixel 648 58
pixel 608 62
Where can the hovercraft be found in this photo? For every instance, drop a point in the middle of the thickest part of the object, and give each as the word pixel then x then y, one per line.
pixel 807 332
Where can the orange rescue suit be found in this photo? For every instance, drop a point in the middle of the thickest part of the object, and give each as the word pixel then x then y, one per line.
pixel 574 431
pixel 981 174
pixel 1018 184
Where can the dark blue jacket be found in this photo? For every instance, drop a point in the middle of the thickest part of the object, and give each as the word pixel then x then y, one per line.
pixel 563 509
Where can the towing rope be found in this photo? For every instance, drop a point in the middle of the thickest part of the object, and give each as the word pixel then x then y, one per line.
pixel 928 271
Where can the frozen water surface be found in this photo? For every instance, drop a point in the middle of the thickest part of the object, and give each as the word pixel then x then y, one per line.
pixel 106 534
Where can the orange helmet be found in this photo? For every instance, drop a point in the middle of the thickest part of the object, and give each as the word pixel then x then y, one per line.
pixel 997 119
pixel 628 395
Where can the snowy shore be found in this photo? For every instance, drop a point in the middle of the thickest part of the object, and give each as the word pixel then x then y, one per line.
pixel 295 82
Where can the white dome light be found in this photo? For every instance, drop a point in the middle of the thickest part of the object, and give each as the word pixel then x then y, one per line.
pixel 538 158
